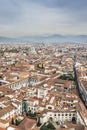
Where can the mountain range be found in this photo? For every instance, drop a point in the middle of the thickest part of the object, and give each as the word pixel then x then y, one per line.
pixel 55 38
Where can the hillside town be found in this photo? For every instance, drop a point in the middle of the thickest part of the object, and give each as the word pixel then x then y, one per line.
pixel 43 86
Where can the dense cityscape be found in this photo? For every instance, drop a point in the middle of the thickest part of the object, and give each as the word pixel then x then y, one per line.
pixel 43 86
pixel 43 64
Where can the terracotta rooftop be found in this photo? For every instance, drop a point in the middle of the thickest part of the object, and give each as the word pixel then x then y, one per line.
pixel 27 124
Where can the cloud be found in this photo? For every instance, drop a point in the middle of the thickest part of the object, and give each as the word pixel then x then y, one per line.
pixel 30 17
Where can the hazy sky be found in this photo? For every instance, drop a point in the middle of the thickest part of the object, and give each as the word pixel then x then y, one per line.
pixel 34 17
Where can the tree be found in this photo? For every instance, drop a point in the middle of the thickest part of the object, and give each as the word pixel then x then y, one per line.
pixel 31 114
pixel 43 128
pixel 37 65
pixel 25 106
pixel 67 77
pixel 1 77
pixel 42 66
pixel 12 121
pixel 38 122
pixel 17 122
pixel 49 126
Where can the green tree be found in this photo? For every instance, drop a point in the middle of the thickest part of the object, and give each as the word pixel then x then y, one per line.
pixel 50 126
pixel 43 128
pixel 38 122
pixel 12 121
pixel 32 115
pixel 67 77
pixel 17 122
pixel 25 106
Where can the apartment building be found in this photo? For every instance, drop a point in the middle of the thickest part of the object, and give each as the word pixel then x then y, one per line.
pixel 60 116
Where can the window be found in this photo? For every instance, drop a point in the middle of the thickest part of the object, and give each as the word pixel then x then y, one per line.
pixel 49 108
pixel 69 114
pixel 73 114
pixel 65 114
pixel 62 114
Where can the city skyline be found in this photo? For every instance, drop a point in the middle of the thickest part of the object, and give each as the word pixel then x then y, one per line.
pixel 38 17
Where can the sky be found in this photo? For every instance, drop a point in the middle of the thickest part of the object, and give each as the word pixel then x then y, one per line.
pixel 42 17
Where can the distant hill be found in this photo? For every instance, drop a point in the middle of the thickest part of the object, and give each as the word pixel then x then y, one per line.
pixel 55 38
pixel 7 39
